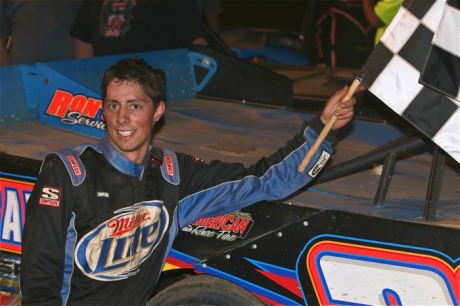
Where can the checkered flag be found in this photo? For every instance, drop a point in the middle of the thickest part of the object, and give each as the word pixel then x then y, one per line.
pixel 415 69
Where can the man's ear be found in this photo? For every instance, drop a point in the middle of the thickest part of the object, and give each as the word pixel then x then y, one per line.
pixel 159 111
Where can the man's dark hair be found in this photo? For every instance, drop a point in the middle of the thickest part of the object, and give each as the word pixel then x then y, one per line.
pixel 137 70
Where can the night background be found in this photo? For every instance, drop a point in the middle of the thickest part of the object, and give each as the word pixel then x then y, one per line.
pixel 285 15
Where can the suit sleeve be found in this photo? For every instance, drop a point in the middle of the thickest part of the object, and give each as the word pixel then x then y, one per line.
pixel 48 214
pixel 218 188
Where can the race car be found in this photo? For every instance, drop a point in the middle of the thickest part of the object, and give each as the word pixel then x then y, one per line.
pixel 367 230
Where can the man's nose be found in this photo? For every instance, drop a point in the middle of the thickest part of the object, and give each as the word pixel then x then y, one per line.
pixel 123 115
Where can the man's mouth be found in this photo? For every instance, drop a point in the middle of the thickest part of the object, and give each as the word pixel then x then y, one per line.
pixel 125 133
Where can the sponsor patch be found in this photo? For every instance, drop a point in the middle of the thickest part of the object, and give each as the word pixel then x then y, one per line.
pixel 169 165
pixel 73 163
pixel 116 248
pixel 228 227
pixel 102 194
pixel 79 110
pixel 199 160
pixel 50 196
pixel 319 164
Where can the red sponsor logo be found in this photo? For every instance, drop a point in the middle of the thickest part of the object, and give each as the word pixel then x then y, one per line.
pixel 228 227
pixel 124 225
pixel 50 196
pixel 73 163
pixel 169 165
pixel 64 102
pixel 235 224
pixel 76 110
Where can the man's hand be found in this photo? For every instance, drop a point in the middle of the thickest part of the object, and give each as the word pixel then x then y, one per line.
pixel 344 111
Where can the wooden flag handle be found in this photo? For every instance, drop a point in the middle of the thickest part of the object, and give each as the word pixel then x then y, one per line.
pixel 326 129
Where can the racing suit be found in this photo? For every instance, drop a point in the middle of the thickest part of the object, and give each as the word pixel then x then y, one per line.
pixel 99 227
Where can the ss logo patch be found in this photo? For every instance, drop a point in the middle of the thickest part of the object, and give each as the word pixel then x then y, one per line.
pixel 50 196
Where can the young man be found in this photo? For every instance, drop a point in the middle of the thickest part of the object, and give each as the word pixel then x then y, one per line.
pixel 101 219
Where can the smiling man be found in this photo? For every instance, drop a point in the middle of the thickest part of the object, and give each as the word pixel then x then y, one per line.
pixel 102 218
pixel 130 116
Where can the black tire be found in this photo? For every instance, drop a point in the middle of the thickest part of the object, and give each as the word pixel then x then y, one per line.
pixel 204 290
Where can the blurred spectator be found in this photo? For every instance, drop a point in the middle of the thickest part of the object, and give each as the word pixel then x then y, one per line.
pixel 38 30
pixel 107 27
pixel 337 33
pixel 210 11
pixel 380 13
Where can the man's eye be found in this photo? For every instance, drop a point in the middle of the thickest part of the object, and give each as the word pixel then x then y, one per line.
pixel 135 106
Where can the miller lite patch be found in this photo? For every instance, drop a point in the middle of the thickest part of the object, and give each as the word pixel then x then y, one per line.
pixel 50 196
pixel 319 164
pixel 116 248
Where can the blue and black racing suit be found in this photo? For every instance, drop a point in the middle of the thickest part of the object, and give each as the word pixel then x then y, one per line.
pixel 99 227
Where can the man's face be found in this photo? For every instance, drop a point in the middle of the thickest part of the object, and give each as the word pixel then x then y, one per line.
pixel 130 117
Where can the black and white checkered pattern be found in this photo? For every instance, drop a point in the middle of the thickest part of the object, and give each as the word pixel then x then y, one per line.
pixel 415 69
